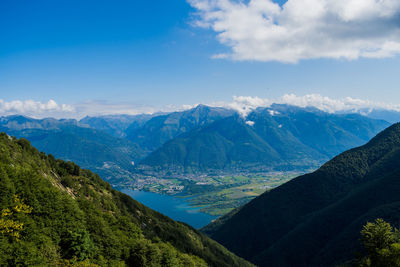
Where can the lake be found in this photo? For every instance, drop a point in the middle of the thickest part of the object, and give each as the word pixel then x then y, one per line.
pixel 173 207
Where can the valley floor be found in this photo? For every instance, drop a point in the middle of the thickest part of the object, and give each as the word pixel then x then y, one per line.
pixel 213 194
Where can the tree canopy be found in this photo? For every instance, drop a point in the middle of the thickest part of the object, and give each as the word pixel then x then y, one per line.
pixel 382 244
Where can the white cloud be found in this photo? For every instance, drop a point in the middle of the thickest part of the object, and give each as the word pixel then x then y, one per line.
pixel 51 108
pixel 34 108
pixel 335 105
pixel 262 30
pixel 97 108
pixel 246 104
pixel 242 104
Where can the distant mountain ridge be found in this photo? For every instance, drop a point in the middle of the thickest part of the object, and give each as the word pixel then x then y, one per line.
pixel 19 122
pixel 277 138
pixel 216 146
pixel 116 125
pixel 198 140
pixel 391 116
pixel 111 157
pixel 163 128
pixel 315 219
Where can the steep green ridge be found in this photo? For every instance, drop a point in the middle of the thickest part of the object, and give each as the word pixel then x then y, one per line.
pixel 315 219
pixel 222 144
pixel 278 138
pixel 76 216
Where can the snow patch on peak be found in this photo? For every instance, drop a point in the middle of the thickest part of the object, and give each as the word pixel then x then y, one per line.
pixel 250 123
pixel 273 112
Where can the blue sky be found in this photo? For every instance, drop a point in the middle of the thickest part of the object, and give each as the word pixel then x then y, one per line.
pixel 151 53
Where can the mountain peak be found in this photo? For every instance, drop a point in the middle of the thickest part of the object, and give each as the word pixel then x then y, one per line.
pixel 201 106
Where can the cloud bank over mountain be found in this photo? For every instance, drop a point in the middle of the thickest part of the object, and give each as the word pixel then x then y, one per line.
pixel 245 104
pixel 262 30
pixel 51 108
pixel 242 104
pixel 34 108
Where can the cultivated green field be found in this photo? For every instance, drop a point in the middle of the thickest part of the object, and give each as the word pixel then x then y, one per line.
pixel 219 195
pixel 213 194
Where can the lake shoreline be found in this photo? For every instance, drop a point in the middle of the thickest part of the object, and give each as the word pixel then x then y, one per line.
pixel 177 208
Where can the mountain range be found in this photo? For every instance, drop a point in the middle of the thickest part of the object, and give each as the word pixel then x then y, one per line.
pixel 111 157
pixel 160 129
pixel 116 125
pixel 198 140
pixel 391 116
pixel 315 219
pixel 277 138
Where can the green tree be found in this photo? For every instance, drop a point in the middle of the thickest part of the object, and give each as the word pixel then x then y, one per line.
pixel 381 242
pixel 7 189
pixel 377 235
pixel 78 244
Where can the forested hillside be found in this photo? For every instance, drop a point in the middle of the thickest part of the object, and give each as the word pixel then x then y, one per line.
pixel 315 219
pixel 53 213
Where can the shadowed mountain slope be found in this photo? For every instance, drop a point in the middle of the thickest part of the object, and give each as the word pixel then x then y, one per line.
pixel 315 219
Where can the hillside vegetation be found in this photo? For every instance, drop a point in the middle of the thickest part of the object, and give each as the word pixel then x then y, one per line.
pixel 381 243
pixel 53 213
pixel 315 219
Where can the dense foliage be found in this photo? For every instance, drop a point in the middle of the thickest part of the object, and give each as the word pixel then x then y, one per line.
pixel 382 245
pixel 53 213
pixel 314 219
